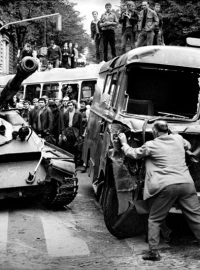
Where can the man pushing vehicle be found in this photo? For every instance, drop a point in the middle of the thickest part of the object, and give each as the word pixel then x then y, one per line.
pixel 167 181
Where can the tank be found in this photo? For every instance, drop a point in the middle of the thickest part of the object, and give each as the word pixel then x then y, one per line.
pixel 29 166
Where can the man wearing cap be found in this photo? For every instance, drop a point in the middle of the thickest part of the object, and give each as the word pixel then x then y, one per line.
pixel 167 180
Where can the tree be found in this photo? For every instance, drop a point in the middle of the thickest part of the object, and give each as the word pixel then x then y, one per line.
pixel 35 31
pixel 181 19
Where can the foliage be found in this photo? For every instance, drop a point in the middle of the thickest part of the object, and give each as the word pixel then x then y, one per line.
pixel 181 19
pixel 39 32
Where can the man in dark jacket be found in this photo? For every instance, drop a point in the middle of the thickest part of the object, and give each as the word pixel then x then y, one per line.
pixel 158 38
pixel 33 114
pixel 54 54
pixel 148 20
pixel 44 119
pixel 129 20
pixel 72 131
pixel 26 110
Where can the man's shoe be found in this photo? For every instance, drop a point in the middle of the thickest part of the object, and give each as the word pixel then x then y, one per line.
pixel 152 255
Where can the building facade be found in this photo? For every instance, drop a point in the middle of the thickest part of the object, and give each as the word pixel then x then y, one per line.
pixel 8 53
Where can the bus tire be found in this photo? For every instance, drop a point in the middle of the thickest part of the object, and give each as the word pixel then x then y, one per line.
pixel 130 227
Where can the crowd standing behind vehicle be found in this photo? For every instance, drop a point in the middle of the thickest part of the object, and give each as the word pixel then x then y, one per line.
pixel 67 56
pixel 57 121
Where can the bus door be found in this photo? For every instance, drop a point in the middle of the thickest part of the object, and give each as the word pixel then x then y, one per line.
pixel 103 136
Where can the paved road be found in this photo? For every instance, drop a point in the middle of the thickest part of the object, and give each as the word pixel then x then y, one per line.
pixel 32 237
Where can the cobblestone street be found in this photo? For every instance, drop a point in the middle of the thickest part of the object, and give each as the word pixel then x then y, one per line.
pixel 33 237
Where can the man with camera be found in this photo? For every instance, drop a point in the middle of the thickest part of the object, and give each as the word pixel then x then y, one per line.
pixel 129 20
pixel 167 181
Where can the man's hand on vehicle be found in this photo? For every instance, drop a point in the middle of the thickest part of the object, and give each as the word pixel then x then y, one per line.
pixel 122 138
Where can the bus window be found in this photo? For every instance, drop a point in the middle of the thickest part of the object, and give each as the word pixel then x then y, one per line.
pixel 21 91
pixel 70 90
pixel 51 90
pixel 32 91
pixel 107 84
pixel 117 78
pixel 87 89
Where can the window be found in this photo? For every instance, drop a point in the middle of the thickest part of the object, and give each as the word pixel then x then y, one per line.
pixel 110 89
pixel 70 90
pixel 51 90
pixel 87 89
pixel 163 91
pixel 32 91
pixel 107 84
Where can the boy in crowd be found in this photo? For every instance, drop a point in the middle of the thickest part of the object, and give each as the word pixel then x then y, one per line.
pixel 108 22
pixel 129 20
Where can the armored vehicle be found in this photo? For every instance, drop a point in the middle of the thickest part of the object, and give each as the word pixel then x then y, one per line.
pixel 134 90
pixel 29 166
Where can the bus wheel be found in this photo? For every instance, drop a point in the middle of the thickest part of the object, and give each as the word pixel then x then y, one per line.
pixel 118 226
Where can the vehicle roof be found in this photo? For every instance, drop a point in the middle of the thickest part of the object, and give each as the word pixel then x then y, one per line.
pixel 59 74
pixel 158 55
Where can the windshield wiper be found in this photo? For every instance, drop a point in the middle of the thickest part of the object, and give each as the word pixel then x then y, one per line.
pixel 172 114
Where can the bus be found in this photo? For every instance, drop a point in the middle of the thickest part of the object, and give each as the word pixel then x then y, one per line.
pixel 132 92
pixel 54 83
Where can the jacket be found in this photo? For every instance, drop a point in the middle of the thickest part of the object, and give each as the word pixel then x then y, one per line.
pixel 165 162
pixel 93 30
pixel 151 21
pixel 76 122
pixel 54 53
pixel 33 118
pixel 133 21
pixel 46 120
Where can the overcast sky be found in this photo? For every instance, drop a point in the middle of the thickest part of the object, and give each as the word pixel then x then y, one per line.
pixel 85 7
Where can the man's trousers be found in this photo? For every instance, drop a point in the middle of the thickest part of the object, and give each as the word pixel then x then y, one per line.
pixel 185 195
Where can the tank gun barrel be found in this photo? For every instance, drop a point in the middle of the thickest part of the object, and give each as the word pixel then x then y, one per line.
pixel 26 67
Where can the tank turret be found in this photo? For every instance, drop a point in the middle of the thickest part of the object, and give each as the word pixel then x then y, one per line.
pixel 26 67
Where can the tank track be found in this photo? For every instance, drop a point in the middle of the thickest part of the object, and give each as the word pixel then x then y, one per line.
pixel 58 195
pixel 66 192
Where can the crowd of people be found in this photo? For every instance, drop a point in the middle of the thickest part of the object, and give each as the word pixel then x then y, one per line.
pixel 66 57
pixel 141 28
pixel 57 121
